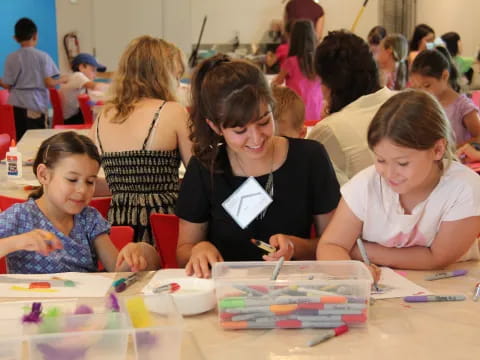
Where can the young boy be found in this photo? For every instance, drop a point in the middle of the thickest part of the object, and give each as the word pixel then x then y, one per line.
pixel 85 68
pixel 289 113
pixel 28 73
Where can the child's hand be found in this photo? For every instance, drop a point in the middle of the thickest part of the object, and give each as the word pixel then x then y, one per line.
pixel 133 255
pixel 204 255
pixel 284 245
pixel 41 241
pixel 467 153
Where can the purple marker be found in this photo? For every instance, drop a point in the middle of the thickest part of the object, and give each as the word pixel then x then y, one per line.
pixel 430 298
pixel 446 274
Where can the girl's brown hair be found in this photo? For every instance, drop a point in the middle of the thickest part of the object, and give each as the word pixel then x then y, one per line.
pixel 60 146
pixel 413 119
pixel 228 93
pixel 146 70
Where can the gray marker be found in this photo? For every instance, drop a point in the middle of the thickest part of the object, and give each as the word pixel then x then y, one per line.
pixel 276 271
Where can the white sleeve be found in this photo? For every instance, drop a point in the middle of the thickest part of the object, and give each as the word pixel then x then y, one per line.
pixel 355 193
pixel 465 198
pixel 76 81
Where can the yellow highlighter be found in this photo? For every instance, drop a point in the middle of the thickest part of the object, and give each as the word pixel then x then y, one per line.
pixel 138 312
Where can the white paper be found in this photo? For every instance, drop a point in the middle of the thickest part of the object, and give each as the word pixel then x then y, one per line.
pixel 247 202
pixel 86 285
pixel 395 285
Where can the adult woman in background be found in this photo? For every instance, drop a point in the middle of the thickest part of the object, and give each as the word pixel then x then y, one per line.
pixel 142 133
pixel 421 36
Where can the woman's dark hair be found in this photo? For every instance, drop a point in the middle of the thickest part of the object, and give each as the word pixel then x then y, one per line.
pixel 346 67
pixel 433 63
pixel 376 35
pixel 451 40
pixel 59 146
pixel 421 30
pixel 25 29
pixel 302 45
pixel 228 93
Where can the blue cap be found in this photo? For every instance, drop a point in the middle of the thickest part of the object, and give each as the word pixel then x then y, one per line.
pixel 84 58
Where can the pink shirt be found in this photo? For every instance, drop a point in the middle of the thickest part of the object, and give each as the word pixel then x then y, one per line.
pixel 309 90
pixel 456 111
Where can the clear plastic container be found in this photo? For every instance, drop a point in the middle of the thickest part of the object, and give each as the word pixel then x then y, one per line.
pixel 306 294
pixel 102 334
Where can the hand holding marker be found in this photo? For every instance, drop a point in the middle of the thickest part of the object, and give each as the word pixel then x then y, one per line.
pixel 363 252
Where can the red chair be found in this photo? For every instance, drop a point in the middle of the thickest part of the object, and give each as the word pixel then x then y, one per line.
pixel 4 94
pixel 7 201
pixel 4 145
pixel 56 102
pixel 476 97
pixel 120 236
pixel 7 121
pixel 165 232
pixel 102 204
pixel 73 126
pixel 311 122
pixel 85 108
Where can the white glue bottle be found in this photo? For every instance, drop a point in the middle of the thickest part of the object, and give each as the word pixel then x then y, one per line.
pixel 14 162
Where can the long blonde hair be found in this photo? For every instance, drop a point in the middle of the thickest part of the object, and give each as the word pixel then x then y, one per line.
pixel 146 70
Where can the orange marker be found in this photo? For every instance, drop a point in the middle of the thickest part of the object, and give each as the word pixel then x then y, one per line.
pixel 40 285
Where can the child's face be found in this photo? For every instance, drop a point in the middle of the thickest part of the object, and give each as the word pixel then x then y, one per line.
pixel 383 56
pixel 88 70
pixel 430 37
pixel 69 186
pixel 404 169
pixel 430 84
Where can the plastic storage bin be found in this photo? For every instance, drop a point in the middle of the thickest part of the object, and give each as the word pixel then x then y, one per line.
pixel 306 294
pixel 102 335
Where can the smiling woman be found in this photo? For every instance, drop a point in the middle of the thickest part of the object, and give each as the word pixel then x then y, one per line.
pixel 238 184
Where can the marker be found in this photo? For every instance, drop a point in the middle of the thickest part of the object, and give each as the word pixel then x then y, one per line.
pixel 264 246
pixel 430 298
pixel 327 335
pixel 121 280
pixel 276 271
pixel 446 274
pixel 363 253
pixel 123 285
pixel 172 287
pixel 476 292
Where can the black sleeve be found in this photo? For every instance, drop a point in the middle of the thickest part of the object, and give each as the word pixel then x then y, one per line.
pixel 325 188
pixel 193 202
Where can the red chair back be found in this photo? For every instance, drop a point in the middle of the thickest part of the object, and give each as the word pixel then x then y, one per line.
pixel 83 102
pixel 311 122
pixel 7 121
pixel 56 102
pixel 165 232
pixel 476 97
pixel 120 236
pixel 4 94
pixel 73 126
pixel 7 201
pixel 4 145
pixel 102 204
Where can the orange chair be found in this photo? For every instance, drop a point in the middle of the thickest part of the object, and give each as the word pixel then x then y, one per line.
pixel 4 145
pixel 165 232
pixel 57 107
pixel 73 126
pixel 85 108
pixel 7 121
pixel 102 204
pixel 4 94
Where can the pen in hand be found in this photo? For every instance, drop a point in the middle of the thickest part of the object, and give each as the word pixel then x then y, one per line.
pixel 363 253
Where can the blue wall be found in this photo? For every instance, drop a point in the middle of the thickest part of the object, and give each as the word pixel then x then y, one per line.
pixel 42 12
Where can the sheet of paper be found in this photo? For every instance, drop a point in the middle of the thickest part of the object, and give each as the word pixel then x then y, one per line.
pixel 394 285
pixel 71 285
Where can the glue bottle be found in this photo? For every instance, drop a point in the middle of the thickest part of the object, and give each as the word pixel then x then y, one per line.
pixel 14 162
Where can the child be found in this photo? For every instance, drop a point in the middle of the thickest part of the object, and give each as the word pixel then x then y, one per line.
pixel 375 37
pixel 28 73
pixel 433 71
pixel 415 208
pixel 289 113
pixel 422 34
pixel 85 68
pixel 298 70
pixel 392 61
pixel 57 222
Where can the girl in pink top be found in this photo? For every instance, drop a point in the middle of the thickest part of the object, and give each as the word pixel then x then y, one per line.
pixel 298 71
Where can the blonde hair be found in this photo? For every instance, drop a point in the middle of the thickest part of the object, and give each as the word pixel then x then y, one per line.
pixel 146 70
pixel 413 119
pixel 399 46
pixel 289 109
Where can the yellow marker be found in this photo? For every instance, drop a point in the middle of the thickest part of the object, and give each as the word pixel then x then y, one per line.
pixel 138 313
pixel 21 288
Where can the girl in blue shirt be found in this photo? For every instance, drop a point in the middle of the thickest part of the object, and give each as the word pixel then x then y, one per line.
pixel 55 230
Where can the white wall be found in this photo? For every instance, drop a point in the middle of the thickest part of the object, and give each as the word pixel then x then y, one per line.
pixel 460 16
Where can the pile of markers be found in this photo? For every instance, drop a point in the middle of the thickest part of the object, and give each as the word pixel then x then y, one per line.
pixel 291 306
